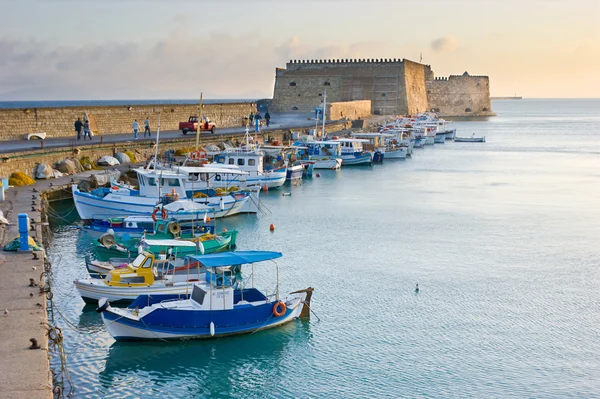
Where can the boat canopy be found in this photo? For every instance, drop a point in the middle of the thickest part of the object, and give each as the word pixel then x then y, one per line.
pixel 235 258
pixel 168 243
pixel 331 142
pixel 186 205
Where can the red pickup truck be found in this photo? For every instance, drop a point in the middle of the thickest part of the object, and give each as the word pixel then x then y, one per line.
pixel 192 125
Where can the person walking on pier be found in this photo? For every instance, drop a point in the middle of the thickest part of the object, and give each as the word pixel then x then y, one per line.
pixel 257 118
pixel 268 118
pixel 78 127
pixel 147 127
pixel 251 117
pixel 86 129
pixel 135 126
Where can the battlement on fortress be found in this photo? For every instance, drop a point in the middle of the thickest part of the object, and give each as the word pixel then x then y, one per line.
pixel 295 65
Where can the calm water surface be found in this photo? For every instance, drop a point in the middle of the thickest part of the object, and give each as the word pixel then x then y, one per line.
pixel 502 238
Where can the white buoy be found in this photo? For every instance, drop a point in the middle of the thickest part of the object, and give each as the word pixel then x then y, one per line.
pixel 222 204
pixel 212 329
pixel 205 216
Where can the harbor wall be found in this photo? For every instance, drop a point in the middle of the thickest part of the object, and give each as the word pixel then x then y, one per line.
pixel 25 161
pixel 460 95
pixel 58 122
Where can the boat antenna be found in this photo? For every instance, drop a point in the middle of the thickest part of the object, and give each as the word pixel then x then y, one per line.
pixel 324 110
pixel 198 130
pixel 156 145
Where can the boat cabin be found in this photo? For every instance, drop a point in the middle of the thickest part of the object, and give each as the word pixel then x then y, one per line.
pixel 352 146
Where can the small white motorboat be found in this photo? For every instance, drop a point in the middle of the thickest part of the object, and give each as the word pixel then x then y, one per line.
pixel 472 139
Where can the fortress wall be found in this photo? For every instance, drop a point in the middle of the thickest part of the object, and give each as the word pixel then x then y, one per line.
pixel 380 81
pixel 416 92
pixel 460 95
pixel 58 122
pixel 349 110
pixel 305 93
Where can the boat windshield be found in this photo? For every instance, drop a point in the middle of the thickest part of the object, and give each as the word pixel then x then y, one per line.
pixel 138 261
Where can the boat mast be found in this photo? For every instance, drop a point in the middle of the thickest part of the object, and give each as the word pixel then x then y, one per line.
pixel 324 108
pixel 198 129
pixel 156 145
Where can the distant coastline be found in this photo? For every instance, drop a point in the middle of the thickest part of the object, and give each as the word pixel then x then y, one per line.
pixel 507 98
pixel 99 103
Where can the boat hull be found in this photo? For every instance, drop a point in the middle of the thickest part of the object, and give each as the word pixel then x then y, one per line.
pixel 397 153
pixel 294 172
pixel 196 324
pixel 469 139
pixel 353 159
pixel 332 163
pixel 91 290
pixel 90 206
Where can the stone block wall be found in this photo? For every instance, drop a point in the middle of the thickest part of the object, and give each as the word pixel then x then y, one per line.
pixel 297 87
pixel 460 95
pixel 349 109
pixel 58 122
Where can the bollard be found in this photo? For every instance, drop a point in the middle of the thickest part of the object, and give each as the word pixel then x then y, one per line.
pixel 24 232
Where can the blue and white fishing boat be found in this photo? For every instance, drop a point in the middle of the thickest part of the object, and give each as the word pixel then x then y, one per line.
pixel 158 187
pixel 323 154
pixel 216 307
pixel 353 152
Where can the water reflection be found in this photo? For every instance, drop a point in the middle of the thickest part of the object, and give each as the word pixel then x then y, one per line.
pixel 208 368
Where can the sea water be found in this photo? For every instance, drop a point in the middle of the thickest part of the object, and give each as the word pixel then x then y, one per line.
pixel 502 238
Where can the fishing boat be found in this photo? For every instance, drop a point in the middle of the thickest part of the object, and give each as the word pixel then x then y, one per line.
pixel 353 152
pixel 159 187
pixel 217 306
pixel 472 139
pixel 137 226
pixel 143 276
pixel 323 154
pixel 377 145
pixel 439 139
pixel 108 246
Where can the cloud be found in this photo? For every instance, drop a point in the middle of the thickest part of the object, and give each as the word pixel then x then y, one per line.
pixel 446 44
pixel 178 66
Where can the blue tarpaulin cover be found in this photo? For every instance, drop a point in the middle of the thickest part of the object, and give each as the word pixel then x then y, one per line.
pixel 235 258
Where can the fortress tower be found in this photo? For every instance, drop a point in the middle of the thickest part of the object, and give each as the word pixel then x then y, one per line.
pixel 393 86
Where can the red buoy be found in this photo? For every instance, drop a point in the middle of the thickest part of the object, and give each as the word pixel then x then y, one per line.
pixel 318 175
pixel 272 227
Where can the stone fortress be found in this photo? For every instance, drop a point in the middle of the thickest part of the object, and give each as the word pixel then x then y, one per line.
pixel 393 86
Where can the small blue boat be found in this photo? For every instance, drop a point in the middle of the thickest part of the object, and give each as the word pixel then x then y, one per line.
pixel 215 308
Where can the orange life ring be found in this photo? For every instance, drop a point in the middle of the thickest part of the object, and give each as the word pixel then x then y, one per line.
pixel 163 214
pixel 278 313
pixel 195 155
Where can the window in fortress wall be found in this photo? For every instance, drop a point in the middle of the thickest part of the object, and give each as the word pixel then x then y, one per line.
pixel 292 83
pixel 326 84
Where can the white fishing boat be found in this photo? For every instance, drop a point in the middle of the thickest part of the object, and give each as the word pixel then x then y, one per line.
pixel 472 139
pixel 158 187
pixel 143 276
pixel 353 152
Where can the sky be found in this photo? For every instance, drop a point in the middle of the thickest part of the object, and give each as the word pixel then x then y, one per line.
pixel 229 49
